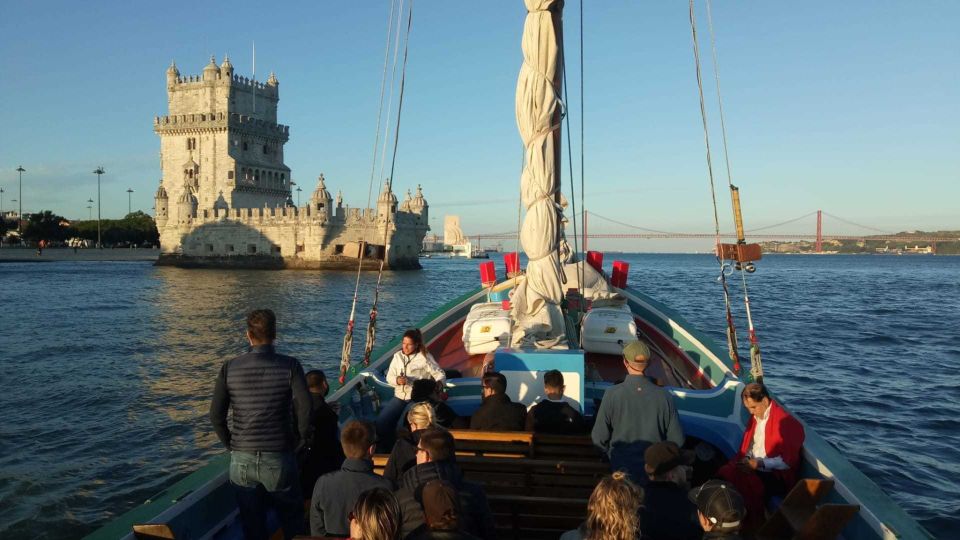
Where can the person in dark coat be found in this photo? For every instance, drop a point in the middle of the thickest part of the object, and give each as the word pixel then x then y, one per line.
pixel 720 509
pixel 265 391
pixel 323 452
pixel 635 414
pixel 497 412
pixel 554 414
pixel 668 513
pixel 435 455
pixel 336 493
pixel 403 457
pixel 427 390
pixel 441 508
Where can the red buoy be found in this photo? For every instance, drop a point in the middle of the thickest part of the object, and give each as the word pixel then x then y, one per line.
pixel 512 262
pixel 619 276
pixel 488 274
pixel 595 259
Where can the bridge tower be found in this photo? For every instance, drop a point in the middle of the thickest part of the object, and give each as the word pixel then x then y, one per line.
pixel 819 245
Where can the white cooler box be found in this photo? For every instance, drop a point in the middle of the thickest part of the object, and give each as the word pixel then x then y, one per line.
pixel 486 328
pixel 604 328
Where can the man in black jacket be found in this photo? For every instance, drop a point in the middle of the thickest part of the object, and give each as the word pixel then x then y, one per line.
pixel 435 461
pixel 261 386
pixel 668 513
pixel 337 492
pixel 554 414
pixel 497 412
pixel 323 453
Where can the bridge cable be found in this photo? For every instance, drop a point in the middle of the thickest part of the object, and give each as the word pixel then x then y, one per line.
pixel 348 336
pixel 756 364
pixel 731 329
pixel 372 327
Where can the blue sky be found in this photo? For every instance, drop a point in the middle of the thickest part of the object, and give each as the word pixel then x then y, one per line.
pixel 846 106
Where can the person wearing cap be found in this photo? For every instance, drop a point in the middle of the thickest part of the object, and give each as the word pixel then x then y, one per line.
pixel 441 510
pixel 769 456
pixel 633 415
pixel 668 514
pixel 720 509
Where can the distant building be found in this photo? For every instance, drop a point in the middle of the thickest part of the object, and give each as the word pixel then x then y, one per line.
pixel 225 194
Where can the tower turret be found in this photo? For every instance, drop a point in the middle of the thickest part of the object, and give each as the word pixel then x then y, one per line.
pixel 320 200
pixel 405 205
pixel 172 74
pixel 226 68
pixel 419 206
pixel 161 204
pixel 186 205
pixel 387 202
pixel 272 80
pixel 211 71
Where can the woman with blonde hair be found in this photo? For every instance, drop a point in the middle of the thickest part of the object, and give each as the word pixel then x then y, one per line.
pixel 420 416
pixel 613 512
pixel 375 516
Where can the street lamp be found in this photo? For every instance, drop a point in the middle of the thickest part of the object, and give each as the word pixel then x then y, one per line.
pixel 298 196
pixel 98 171
pixel 1 201
pixel 89 208
pixel 20 170
pixel 129 193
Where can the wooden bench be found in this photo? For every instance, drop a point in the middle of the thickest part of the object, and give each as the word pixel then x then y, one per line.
pixel 525 444
pixel 523 517
pixel 801 517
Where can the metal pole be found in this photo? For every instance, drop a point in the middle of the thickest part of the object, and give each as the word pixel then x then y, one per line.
pixel 90 209
pixel 298 196
pixel 129 195
pixel 98 172
pixel 20 170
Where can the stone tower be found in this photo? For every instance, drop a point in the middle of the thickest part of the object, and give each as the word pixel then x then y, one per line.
pixel 221 141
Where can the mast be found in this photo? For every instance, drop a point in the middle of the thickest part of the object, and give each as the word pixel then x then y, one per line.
pixel 536 302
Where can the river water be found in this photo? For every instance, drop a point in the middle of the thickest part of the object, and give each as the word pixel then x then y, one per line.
pixel 106 368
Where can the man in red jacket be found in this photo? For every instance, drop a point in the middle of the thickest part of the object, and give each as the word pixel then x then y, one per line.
pixel 769 457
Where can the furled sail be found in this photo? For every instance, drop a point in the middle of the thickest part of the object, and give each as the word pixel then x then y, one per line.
pixel 538 320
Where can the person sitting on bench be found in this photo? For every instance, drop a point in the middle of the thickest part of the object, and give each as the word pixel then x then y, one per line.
pixel 554 413
pixel 668 514
pixel 613 511
pixel 719 509
pixel 769 455
pixel 420 417
pixel 497 412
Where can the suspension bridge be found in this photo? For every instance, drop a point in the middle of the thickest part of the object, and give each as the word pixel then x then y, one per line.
pixel 764 233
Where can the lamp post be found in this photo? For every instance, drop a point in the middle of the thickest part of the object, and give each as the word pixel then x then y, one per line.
pixel 89 211
pixel 298 196
pixel 98 171
pixel 20 170
pixel 1 201
pixel 129 194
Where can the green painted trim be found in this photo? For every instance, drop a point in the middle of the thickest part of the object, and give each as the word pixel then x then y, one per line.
pixel 166 499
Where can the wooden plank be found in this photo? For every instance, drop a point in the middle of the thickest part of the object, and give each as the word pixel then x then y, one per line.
pixel 496 436
pixel 153 531
pixel 827 522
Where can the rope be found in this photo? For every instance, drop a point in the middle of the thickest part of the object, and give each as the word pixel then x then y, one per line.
pixel 731 329
pixel 348 336
pixel 756 361
pixel 371 328
pixel 573 194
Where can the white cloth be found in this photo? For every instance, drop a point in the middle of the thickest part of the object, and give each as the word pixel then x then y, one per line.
pixel 565 399
pixel 758 448
pixel 536 301
pixel 418 366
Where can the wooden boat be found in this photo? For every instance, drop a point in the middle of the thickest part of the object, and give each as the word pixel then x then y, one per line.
pixel 538 485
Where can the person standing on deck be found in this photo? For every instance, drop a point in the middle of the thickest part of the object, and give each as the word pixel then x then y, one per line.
pixel 323 452
pixel 412 362
pixel 635 414
pixel 769 455
pixel 265 390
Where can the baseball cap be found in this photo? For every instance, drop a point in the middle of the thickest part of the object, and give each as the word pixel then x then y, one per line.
pixel 634 349
pixel 665 456
pixel 720 503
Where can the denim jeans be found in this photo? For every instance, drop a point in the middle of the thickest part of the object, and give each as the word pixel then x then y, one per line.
pixel 387 423
pixel 267 479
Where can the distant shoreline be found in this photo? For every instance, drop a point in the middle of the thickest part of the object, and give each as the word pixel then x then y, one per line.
pixel 29 255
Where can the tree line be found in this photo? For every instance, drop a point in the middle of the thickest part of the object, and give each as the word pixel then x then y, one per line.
pixel 135 228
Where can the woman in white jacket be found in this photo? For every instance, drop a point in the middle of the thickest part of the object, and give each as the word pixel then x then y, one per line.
pixel 412 362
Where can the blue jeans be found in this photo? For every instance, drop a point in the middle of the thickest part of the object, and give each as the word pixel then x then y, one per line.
pixel 264 479
pixel 387 423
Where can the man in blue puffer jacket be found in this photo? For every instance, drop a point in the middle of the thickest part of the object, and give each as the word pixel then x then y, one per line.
pixel 260 386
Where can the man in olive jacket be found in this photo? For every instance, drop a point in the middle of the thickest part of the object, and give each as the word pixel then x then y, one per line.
pixel 261 386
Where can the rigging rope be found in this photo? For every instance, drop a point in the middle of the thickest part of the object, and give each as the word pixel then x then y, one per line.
pixel 731 329
pixel 573 194
pixel 372 327
pixel 348 336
